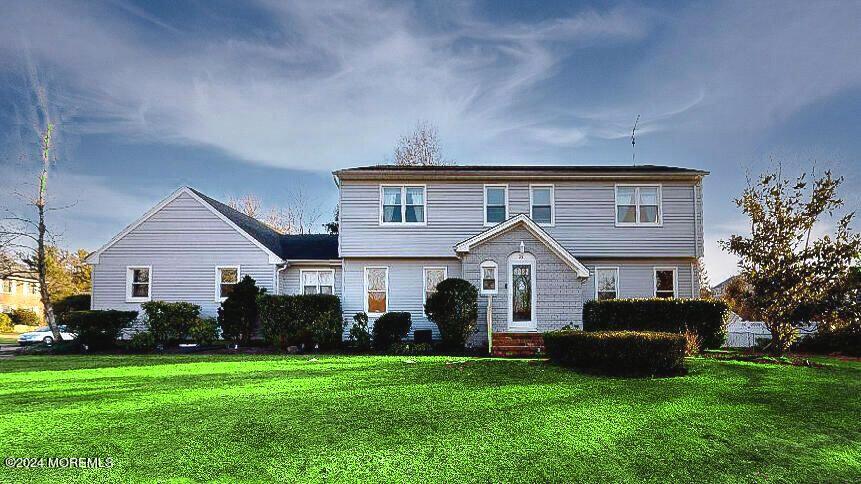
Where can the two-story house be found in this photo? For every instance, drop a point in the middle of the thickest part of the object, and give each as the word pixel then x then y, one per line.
pixel 20 292
pixel 537 242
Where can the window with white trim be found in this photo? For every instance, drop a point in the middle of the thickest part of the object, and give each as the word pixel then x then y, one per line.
pixel 138 283
pixel 541 204
pixel 495 204
pixel 665 282
pixel 489 277
pixel 638 205
pixel 317 281
pixel 432 277
pixel 376 290
pixel 6 287
pixel 606 283
pixel 402 204
pixel 226 277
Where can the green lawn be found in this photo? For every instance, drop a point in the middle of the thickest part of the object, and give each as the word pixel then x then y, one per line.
pixel 387 419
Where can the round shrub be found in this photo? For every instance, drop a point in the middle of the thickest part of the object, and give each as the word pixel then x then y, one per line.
pixel 204 331
pixel 454 309
pixel 98 329
pixel 618 352
pixel 26 317
pixel 142 341
pixel 5 323
pixel 391 328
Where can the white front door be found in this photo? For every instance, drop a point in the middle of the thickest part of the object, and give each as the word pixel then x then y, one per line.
pixel 521 292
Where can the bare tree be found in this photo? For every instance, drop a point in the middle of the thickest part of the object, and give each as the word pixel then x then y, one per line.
pixel 299 217
pixel 703 279
pixel 420 148
pixel 27 237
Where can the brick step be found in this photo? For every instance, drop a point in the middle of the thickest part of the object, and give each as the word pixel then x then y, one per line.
pixel 516 351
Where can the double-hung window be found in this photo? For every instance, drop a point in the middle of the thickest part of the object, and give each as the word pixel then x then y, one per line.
pixel 495 204
pixel 6 286
pixel 376 290
pixel 317 281
pixel 432 277
pixel 606 283
pixel 403 204
pixel 225 278
pixel 138 283
pixel 665 282
pixel 489 276
pixel 638 205
pixel 541 208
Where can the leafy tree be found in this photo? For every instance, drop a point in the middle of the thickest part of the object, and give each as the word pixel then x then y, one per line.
pixel 791 277
pixel 238 313
pixel 737 297
pixel 67 272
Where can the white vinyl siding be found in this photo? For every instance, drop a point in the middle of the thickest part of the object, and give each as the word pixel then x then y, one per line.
pixel 182 243
pixel 584 221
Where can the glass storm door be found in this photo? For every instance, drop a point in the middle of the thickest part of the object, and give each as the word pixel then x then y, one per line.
pixel 522 302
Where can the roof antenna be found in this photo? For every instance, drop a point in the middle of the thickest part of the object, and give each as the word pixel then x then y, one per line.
pixel 634 141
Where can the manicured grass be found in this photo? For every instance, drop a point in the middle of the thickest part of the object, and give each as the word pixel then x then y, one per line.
pixel 429 420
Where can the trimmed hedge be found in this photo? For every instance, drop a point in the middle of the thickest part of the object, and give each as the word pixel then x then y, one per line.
pixel 391 328
pixel 307 320
pixel 706 317
pixel 618 352
pixel 169 322
pixel 846 341
pixel 76 302
pixel 98 329
pixel 27 317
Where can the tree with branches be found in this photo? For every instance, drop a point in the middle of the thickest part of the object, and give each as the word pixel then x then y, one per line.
pixel 29 238
pixel 790 277
pixel 299 217
pixel 420 148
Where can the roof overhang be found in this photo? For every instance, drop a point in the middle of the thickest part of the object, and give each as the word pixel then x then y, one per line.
pixel 525 222
pixel 462 173
pixel 93 258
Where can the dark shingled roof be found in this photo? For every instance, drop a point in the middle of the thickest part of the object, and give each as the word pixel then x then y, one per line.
pixel 526 168
pixel 310 246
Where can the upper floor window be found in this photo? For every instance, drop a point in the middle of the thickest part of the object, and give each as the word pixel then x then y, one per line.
pixel 606 283
pixel 665 282
pixel 402 204
pixel 226 278
pixel 638 205
pixel 318 281
pixel 542 210
pixel 433 276
pixel 138 284
pixel 495 204
pixel 489 276
pixel 376 290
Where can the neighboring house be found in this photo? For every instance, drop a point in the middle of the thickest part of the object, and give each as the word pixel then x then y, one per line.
pixel 20 292
pixel 538 241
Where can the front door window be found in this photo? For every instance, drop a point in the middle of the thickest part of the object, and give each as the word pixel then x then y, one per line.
pixel 522 296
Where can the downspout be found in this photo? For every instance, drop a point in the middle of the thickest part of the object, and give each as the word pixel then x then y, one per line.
pixel 278 278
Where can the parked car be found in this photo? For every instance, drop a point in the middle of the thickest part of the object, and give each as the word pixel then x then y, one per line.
pixel 44 335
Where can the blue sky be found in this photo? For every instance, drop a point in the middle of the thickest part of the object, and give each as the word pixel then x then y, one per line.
pixel 267 97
